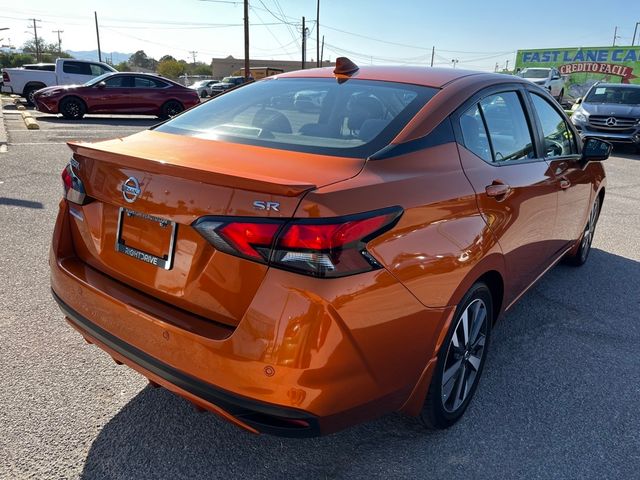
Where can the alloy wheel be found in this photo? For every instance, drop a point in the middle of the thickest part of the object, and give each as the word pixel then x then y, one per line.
pixel 464 355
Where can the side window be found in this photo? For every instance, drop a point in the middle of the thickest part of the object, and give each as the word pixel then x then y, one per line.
pixel 508 128
pixel 141 82
pixel 76 68
pixel 97 69
pixel 118 81
pixel 474 133
pixel 558 137
pixel 144 82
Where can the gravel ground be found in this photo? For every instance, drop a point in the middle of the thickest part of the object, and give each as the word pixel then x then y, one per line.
pixel 559 397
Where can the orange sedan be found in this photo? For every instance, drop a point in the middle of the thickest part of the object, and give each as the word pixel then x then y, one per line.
pixel 300 271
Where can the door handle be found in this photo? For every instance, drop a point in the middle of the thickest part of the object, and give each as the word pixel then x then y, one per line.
pixel 497 189
pixel 564 183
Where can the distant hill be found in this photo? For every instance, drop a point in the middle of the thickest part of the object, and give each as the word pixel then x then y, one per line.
pixel 93 55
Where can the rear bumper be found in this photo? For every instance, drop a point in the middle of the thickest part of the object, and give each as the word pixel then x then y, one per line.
pixel 309 357
pixel 249 414
pixel 7 89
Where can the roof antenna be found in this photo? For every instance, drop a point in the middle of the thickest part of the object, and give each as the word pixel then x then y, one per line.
pixel 344 66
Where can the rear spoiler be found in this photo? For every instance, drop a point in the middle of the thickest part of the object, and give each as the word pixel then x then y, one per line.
pixel 210 173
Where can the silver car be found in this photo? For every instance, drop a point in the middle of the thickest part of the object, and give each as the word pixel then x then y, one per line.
pixel 203 87
pixel 610 111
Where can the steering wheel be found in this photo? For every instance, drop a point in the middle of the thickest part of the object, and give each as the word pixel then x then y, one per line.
pixel 552 148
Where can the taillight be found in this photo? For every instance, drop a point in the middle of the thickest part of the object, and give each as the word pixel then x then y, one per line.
pixel 5 77
pixel 73 188
pixel 332 247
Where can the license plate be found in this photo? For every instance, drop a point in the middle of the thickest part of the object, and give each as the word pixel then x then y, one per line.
pixel 147 238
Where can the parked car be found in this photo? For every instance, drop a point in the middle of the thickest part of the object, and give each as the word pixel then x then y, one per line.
pixel 297 278
pixel 548 78
pixel 610 111
pixel 123 93
pixel 308 100
pixel 203 87
pixel 26 81
pixel 225 84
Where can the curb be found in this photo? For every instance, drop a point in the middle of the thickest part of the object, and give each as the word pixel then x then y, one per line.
pixel 29 121
pixel 3 132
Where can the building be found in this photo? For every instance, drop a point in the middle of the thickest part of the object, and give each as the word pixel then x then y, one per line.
pixel 223 67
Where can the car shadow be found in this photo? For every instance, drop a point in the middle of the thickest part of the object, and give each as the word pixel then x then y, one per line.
pixel 547 384
pixel 625 151
pixel 17 202
pixel 89 120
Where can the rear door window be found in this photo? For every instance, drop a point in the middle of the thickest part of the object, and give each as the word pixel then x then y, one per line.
pixel 76 68
pixel 97 69
pixel 508 128
pixel 119 81
pixel 147 82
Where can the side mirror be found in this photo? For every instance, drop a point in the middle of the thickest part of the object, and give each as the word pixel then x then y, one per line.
pixel 101 85
pixel 594 149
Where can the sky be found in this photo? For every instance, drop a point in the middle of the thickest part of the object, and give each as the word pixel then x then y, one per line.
pixel 479 34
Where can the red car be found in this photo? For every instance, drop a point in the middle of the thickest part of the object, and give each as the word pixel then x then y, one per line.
pixel 128 93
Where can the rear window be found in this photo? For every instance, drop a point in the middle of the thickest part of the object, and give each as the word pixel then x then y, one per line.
pixel 355 118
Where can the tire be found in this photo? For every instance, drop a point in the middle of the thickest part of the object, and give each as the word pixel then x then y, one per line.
pixel 460 360
pixel 171 109
pixel 203 94
pixel 72 108
pixel 28 93
pixel 582 253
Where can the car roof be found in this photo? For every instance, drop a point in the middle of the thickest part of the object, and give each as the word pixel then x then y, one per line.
pixel 425 76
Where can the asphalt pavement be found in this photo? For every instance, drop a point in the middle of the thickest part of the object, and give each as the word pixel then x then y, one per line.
pixel 559 397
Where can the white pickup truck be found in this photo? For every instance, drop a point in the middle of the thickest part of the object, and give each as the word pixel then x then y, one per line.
pixel 548 78
pixel 67 71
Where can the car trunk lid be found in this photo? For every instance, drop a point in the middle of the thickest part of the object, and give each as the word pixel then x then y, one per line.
pixel 149 188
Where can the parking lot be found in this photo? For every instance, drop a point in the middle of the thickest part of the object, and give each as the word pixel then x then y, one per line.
pixel 558 399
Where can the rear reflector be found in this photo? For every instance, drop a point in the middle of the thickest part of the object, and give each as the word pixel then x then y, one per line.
pixel 332 247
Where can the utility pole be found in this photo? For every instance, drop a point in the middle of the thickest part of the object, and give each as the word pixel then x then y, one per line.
pixel 95 14
pixel 59 39
pixel 193 54
pixel 433 54
pixel 322 51
pixel 247 69
pixel 35 34
pixel 318 35
pixel 304 44
pixel 635 30
pixel 615 35
pixel 506 67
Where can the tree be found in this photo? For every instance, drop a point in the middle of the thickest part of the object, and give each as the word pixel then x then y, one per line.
pixel 48 51
pixel 122 67
pixel 170 68
pixel 167 57
pixel 12 59
pixel 199 69
pixel 140 59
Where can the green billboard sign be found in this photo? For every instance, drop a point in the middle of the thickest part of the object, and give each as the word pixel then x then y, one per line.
pixel 582 67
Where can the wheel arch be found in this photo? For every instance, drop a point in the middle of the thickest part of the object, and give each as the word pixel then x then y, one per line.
pixel 32 84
